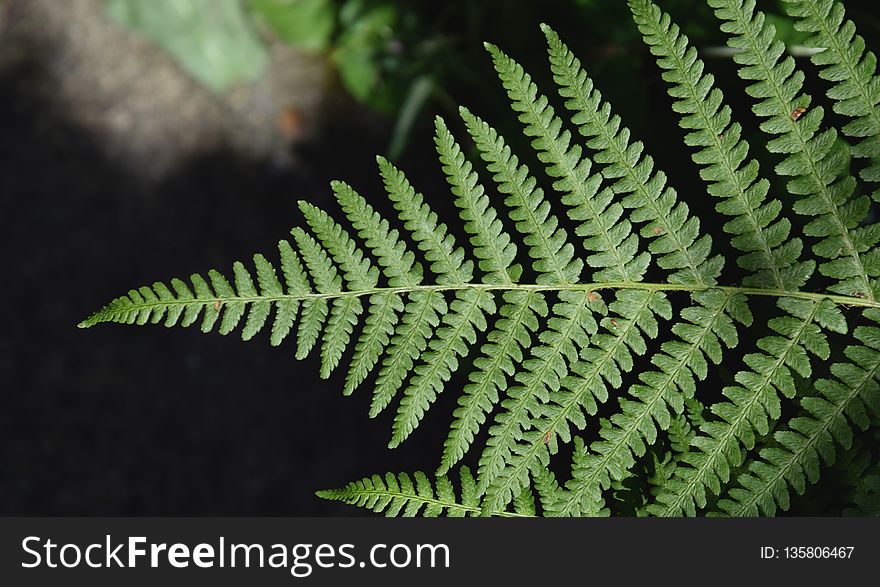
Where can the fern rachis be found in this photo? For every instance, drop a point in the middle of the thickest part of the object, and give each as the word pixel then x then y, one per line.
pixel 562 336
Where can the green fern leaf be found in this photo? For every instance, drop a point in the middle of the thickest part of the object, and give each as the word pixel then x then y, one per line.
pixel 402 495
pixel 809 156
pixel 770 255
pixel 852 71
pixel 810 438
pixel 499 355
pixel 549 328
pixel 675 233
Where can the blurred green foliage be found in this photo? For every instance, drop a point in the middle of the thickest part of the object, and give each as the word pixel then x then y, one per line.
pixel 212 39
pixel 308 24
pixel 397 56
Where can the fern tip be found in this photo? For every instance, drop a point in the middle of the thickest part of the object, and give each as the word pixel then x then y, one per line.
pixel 326 494
pixel 93 319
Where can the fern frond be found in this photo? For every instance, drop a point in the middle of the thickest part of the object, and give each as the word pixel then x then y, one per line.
pixel 492 245
pixel 343 311
pixel 420 316
pixel 244 283
pixel 399 265
pixel 548 488
pixel 584 388
pixel 524 504
pixel 770 256
pixel 814 161
pixel 552 254
pixel 383 314
pixel 683 428
pixel 569 328
pixel 615 248
pixel 614 253
pixel 450 266
pixel 571 321
pixel 555 263
pixel 773 262
pixel 579 496
pixel 402 495
pixel 466 317
pixel 603 362
pixel 420 313
pixel 852 70
pixel 314 311
pixel 675 232
pixel 632 493
pixel 676 238
pixel 314 315
pixel 706 329
pixel 359 274
pixel 752 405
pixel 557 345
pixel 809 154
pixel 499 356
pixel 812 436
pixel 447 261
pixel 566 405
pixel 496 251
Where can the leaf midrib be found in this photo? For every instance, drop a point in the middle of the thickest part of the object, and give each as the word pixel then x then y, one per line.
pixel 108 311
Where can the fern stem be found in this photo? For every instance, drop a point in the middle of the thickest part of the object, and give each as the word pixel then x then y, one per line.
pixel 111 314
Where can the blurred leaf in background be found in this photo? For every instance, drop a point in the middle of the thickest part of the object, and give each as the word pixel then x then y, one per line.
pixel 214 40
pixel 363 43
pixel 307 24
pixel 367 34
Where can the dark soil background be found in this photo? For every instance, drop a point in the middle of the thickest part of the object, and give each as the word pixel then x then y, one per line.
pixel 116 169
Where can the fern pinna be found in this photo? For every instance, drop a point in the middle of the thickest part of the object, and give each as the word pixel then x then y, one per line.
pixel 578 330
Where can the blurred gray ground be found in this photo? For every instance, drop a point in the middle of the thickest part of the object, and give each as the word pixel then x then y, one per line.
pixel 146 111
